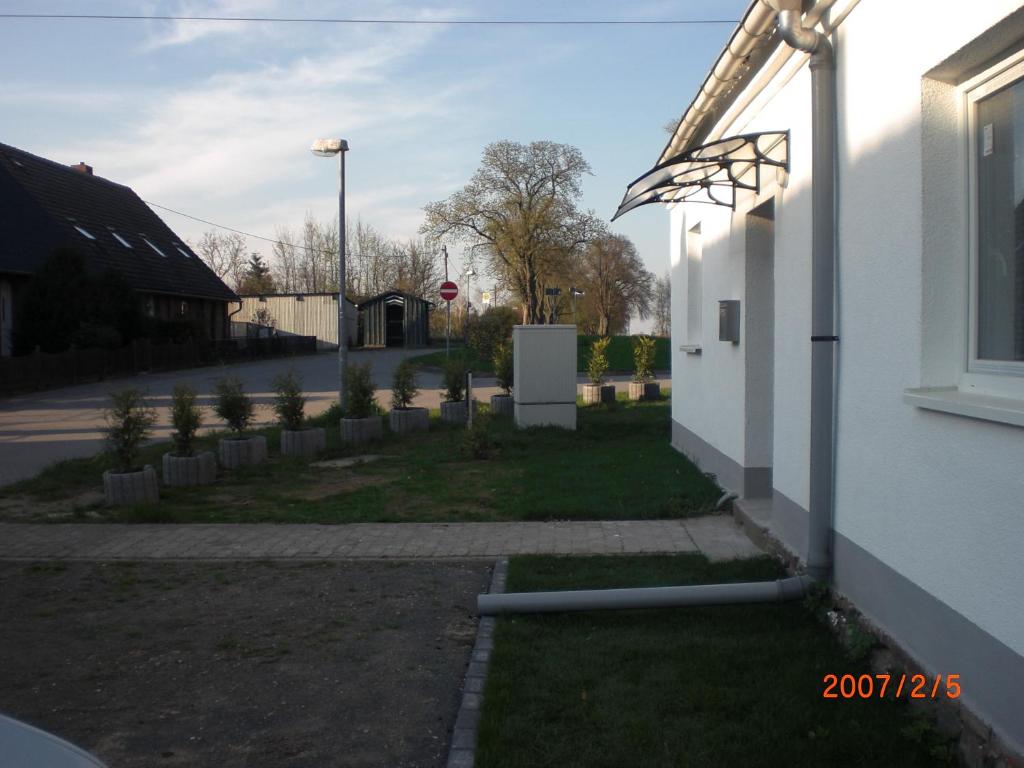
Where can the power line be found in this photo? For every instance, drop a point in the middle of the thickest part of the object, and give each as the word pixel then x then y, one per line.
pixel 298 20
pixel 222 226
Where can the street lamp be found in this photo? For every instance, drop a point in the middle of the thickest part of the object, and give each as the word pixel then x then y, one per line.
pixel 327 148
pixel 469 273
pixel 574 292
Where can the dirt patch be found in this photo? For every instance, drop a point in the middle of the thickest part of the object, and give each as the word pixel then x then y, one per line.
pixel 332 484
pixel 20 509
pixel 179 664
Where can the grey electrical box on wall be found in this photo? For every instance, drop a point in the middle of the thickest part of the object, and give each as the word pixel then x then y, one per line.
pixel 729 320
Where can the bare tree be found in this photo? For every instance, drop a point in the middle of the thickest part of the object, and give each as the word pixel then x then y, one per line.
pixel 519 211
pixel 616 282
pixel 663 306
pixel 318 259
pixel 418 270
pixel 373 258
pixel 286 260
pixel 308 262
pixel 224 253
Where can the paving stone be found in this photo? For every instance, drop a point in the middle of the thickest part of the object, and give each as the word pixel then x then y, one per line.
pixel 468 718
pixel 717 536
pixel 463 738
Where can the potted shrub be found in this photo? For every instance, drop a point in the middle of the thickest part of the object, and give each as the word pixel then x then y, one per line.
pixel 403 417
pixel 503 405
pixel 129 422
pixel 361 422
pixel 289 406
pixel 183 466
pixel 641 387
pixel 236 408
pixel 597 365
pixel 453 405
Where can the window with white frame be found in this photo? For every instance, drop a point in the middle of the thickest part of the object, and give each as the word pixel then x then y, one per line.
pixel 995 116
pixel 694 270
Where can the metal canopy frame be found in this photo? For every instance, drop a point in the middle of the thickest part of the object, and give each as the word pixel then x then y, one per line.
pixel 710 173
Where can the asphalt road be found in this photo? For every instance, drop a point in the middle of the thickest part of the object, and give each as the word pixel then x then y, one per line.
pixel 44 427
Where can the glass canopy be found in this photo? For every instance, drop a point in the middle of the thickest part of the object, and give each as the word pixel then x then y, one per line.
pixel 710 173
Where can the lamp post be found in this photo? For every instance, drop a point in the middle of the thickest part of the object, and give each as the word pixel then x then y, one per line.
pixel 328 148
pixel 574 292
pixel 469 273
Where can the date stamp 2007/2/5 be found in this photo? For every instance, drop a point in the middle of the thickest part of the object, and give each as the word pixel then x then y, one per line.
pixel 870 686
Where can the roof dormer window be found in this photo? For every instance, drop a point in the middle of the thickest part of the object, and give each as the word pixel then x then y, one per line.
pixel 85 232
pixel 148 242
pixel 183 252
pixel 119 239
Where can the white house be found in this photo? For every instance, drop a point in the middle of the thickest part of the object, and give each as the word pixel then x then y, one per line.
pixel 870 418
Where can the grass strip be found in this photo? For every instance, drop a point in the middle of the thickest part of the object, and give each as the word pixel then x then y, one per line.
pixel 617 465
pixel 715 686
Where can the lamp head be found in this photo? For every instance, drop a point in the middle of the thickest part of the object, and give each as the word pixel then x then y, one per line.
pixel 328 147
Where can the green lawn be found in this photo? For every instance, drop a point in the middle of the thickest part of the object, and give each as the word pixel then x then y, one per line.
pixel 472 360
pixel 715 686
pixel 618 465
pixel 620 356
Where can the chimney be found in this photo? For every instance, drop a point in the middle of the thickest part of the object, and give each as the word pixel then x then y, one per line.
pixel 83 168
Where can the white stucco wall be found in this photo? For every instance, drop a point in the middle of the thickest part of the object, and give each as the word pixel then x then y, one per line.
pixel 713 383
pixel 938 498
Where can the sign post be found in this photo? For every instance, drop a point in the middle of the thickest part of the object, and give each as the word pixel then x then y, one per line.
pixel 449 291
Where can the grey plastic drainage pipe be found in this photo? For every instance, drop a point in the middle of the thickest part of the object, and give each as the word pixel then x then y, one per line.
pixel 781 591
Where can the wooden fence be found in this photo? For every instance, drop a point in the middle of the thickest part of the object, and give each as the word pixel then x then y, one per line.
pixel 76 366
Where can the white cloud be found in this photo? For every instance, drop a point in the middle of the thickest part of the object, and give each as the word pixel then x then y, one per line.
pixel 246 130
pixel 232 146
pixel 186 31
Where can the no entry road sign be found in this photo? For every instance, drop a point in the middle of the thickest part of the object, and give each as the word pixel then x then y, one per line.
pixel 449 290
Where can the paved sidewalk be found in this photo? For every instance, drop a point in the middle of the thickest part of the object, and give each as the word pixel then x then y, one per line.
pixel 718 537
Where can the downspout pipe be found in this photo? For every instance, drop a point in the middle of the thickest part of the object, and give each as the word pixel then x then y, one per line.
pixel 823 279
pixel 781 591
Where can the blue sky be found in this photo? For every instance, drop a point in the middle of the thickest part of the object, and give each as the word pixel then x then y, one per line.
pixel 215 119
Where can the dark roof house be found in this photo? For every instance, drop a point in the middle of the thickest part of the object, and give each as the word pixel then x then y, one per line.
pixel 45 206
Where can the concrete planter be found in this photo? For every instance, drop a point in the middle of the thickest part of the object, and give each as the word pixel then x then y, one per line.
pixel 502 405
pixel 303 443
pixel 594 394
pixel 456 412
pixel 240 452
pixel 182 471
pixel 644 390
pixel 125 488
pixel 404 420
pixel 362 430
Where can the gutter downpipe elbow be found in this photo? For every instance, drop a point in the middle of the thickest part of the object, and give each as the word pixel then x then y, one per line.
pixel 823 285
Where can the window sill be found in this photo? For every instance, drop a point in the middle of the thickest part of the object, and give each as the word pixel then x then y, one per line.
pixel 1005 410
pixel 691 349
